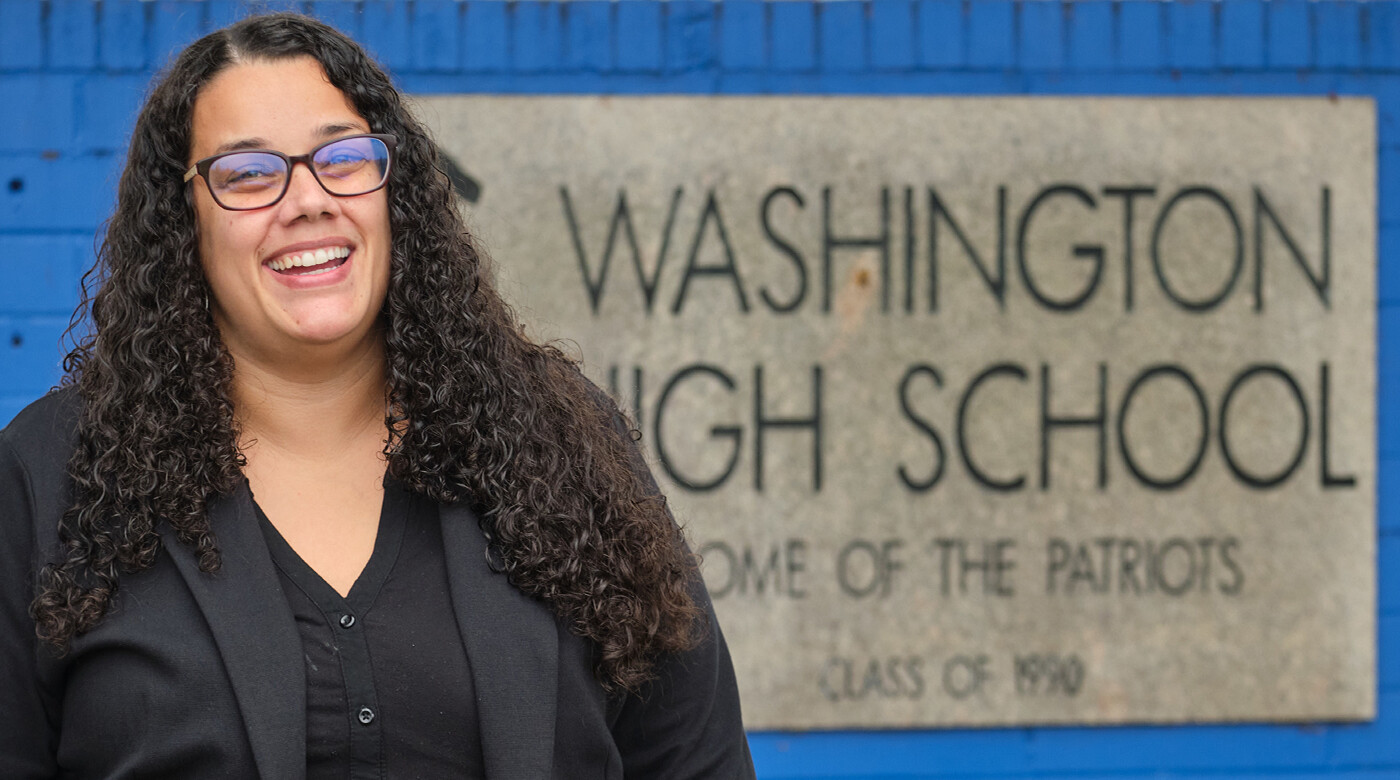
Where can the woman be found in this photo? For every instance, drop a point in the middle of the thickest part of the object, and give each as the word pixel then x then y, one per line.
pixel 308 503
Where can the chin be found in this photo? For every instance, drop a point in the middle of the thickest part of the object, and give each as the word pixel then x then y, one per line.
pixel 321 329
pixel 320 335
pixel 325 322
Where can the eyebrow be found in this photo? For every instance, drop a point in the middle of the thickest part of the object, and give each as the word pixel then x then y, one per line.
pixel 324 132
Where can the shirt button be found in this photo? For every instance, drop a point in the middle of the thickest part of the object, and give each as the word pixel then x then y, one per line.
pixel 347 621
pixel 366 715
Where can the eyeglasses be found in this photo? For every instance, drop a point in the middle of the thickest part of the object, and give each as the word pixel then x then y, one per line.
pixel 258 178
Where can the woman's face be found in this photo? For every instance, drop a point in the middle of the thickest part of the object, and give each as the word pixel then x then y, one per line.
pixel 287 105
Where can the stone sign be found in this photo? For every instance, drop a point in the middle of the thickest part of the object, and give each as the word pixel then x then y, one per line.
pixel 980 411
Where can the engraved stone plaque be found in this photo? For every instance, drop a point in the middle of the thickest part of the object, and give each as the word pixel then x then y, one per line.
pixel 980 411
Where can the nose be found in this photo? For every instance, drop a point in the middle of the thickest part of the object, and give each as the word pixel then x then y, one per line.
pixel 305 196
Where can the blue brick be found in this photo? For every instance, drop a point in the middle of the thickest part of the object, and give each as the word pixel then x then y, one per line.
pixel 485 36
pixel 941 33
pixel 1136 753
pixel 1387 482
pixel 385 32
pixel 690 35
pixel 70 193
pixel 1388 382
pixel 31 353
pixel 277 6
pixel 107 107
pixel 42 274
pixel 1191 44
pixel 537 36
pixel 1149 750
pixel 836 765
pixel 1369 744
pixel 1338 29
pixel 1140 35
pixel 892 34
pixel 1242 34
pixel 1388 436
pixel 340 14
pixel 1383 36
pixel 72 32
pixel 1325 774
pixel 1388 260
pixel 1283 773
pixel 793 35
pixel 222 13
pixel 1290 34
pixel 1090 34
pixel 1388 654
pixel 1237 752
pixel 1388 332
pixel 434 27
pixel 588 31
pixel 45 116
pixel 21 34
pixel 122 35
pixel 1388 561
pixel 219 14
pixel 882 755
pixel 841 45
pixel 991 34
pixel 174 25
pixel 1386 91
pixel 638 36
pixel 1388 181
pixel 1043 36
pixel 742 29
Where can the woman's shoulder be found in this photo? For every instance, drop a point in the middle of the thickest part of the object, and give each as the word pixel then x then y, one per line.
pixel 42 436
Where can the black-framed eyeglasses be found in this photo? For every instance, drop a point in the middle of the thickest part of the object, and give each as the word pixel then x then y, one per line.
pixel 257 178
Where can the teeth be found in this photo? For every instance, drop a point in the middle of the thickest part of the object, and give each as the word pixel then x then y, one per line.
pixel 310 258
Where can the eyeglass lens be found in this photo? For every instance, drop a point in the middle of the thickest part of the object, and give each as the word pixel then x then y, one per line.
pixel 249 180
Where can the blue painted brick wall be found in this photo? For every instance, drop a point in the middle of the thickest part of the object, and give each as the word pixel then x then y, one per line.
pixel 73 73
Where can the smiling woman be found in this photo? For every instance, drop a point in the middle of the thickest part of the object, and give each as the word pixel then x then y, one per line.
pixel 308 504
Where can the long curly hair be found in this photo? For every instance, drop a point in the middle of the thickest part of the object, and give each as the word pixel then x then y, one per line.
pixel 479 413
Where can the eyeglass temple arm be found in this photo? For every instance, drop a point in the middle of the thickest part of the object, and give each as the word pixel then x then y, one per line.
pixel 192 172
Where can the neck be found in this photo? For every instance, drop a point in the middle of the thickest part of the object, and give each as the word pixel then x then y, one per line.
pixel 312 406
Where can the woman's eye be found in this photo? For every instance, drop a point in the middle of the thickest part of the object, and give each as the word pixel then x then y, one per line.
pixel 341 161
pixel 248 176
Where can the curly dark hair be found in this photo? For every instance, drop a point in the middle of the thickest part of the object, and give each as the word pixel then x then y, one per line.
pixel 479 412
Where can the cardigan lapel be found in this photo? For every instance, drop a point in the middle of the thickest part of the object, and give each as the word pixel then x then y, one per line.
pixel 244 606
pixel 512 644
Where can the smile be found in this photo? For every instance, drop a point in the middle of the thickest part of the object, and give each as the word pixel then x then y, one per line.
pixel 312 262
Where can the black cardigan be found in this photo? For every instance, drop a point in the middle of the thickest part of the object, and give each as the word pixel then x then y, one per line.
pixel 200 675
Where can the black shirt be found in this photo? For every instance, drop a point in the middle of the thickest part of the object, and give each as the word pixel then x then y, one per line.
pixel 389 691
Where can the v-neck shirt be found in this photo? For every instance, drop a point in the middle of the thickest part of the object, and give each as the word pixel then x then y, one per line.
pixel 389 692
